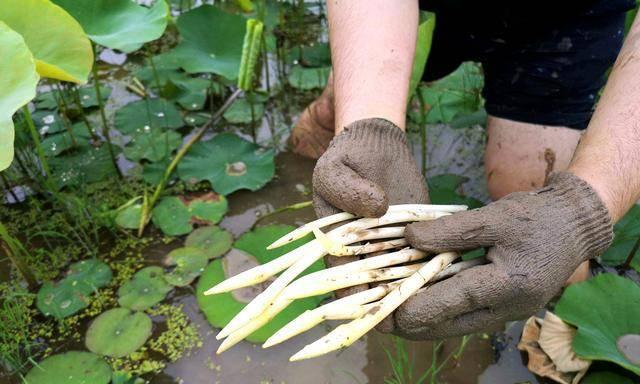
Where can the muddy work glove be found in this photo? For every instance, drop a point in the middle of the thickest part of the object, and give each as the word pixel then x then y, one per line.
pixel 535 241
pixel 366 167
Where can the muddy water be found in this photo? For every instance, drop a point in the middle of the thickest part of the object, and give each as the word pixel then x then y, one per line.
pixel 363 362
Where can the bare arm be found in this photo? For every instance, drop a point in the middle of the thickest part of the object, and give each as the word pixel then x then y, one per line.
pixel 608 156
pixel 372 48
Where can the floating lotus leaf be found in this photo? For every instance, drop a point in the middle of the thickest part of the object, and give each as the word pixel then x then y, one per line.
pixel 118 332
pixel 87 96
pixel 152 173
pixel 145 115
pixel 18 84
pixel 211 41
pixel 54 145
pixel 73 367
pixel 145 289
pixel 315 55
pixel 240 112
pixel 129 217
pixel 627 232
pixel 308 78
pixel 606 378
pixel 175 215
pixel 189 92
pixel 73 292
pixel 220 309
pixel 197 118
pixel 154 145
pixel 86 165
pixel 189 263
pixel 604 309
pixel 213 240
pixel 47 122
pixel 119 24
pixel 59 45
pixel 229 163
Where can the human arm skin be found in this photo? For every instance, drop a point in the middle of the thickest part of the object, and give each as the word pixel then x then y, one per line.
pixel 608 156
pixel 372 48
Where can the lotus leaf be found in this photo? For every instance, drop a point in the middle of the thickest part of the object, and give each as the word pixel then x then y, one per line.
pixel 443 189
pixel 240 112
pixel 423 47
pixel 56 40
pixel 73 292
pixel 211 41
pixel 153 145
pixel 627 232
pixel 604 309
pixel 118 332
pixel 47 122
pixel 606 378
pixel 144 115
pixel 174 215
pixel 56 144
pixel 152 172
pixel 73 367
pixel 18 84
pixel 189 263
pixel 129 217
pixel 316 55
pixel 119 24
pixel 145 289
pixel 87 96
pixel 189 92
pixel 213 240
pixel 197 118
pixel 308 78
pixel 220 309
pixel 87 165
pixel 229 163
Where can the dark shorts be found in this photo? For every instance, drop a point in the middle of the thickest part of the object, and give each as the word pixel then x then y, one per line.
pixel 542 65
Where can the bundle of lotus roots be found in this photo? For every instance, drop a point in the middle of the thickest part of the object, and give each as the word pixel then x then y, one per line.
pixel 402 269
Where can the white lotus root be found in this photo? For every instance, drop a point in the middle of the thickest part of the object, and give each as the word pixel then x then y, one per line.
pixel 404 271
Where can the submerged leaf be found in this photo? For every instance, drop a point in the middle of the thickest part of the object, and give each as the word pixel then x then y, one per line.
pixel 18 85
pixel 59 45
pixel 221 308
pixel 119 24
pixel 229 163
pixel 605 309
pixel 74 367
pixel 211 41
pixel 118 332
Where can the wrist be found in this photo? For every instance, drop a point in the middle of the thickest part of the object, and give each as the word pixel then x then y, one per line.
pixel 602 189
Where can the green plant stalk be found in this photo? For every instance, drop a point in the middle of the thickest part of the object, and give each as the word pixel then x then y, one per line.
pixel 36 141
pixel 103 116
pixel 62 105
pixel 154 71
pixel 423 132
pixel 83 116
pixel 146 211
pixel 16 252
pixel 627 263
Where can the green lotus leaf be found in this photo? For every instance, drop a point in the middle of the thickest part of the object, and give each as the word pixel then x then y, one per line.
pixel 118 332
pixel 315 55
pixel 145 115
pixel 189 263
pixel 626 233
pixel 56 144
pixel 197 119
pixel 47 122
pixel 152 173
pixel 229 163
pixel 153 145
pixel 308 78
pixel 189 92
pixel 87 96
pixel 73 293
pixel 604 309
pixel 119 24
pixel 443 189
pixel 213 240
pixel 145 289
pixel 220 309
pixel 423 46
pixel 56 40
pixel 86 165
pixel 73 367
pixel 208 208
pixel 129 217
pixel 606 378
pixel 240 112
pixel 211 41
pixel 172 216
pixel 18 85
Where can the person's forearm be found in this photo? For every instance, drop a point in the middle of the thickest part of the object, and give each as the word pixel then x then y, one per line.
pixel 608 156
pixel 372 48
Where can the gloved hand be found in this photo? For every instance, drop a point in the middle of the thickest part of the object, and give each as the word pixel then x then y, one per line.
pixel 366 167
pixel 535 241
